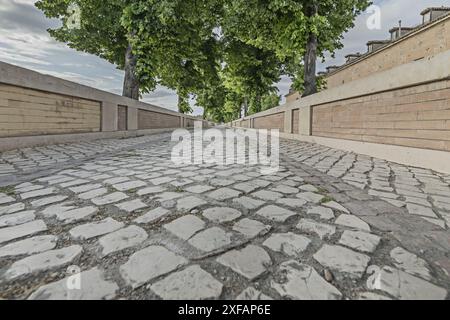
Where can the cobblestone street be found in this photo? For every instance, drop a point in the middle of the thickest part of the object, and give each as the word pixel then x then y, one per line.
pixel 329 225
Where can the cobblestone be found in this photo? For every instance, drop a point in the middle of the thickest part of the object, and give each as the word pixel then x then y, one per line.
pixel 219 232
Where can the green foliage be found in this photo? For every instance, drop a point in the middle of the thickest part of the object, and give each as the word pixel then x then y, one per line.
pixel 228 55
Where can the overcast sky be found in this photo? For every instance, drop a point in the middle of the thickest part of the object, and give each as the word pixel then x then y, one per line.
pixel 25 42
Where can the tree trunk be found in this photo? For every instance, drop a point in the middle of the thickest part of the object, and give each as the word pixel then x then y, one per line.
pixel 245 107
pixel 131 82
pixel 311 56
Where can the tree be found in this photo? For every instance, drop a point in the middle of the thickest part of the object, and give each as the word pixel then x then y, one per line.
pixel 176 39
pixel 298 31
pixel 101 33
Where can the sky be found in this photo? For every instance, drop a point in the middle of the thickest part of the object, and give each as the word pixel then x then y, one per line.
pixel 25 42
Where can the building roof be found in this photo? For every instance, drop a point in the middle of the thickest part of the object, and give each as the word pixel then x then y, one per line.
pixel 435 9
pixel 403 28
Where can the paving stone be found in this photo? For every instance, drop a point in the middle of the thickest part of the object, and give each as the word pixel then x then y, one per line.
pixel 289 243
pixel 198 189
pixel 72 183
pixel 42 262
pixel 336 206
pixel 189 203
pixel 192 283
pixel 220 182
pixel 420 210
pixel 372 296
pixel 26 229
pixel 109 198
pixel 397 203
pixel 95 229
pixel 410 263
pixel 402 285
pixel 342 260
pixel 322 212
pixel 163 180
pixel 291 202
pixel 150 190
pixel 75 215
pixel 93 194
pixel 251 228
pixel 310 197
pixel 6 199
pixel 211 239
pixel 129 185
pixel 249 203
pixel 304 283
pixel 322 230
pixel 224 194
pixel 221 214
pixel 275 213
pixel 116 180
pixel 388 195
pixel 148 264
pixel 46 201
pixel 252 294
pixel 309 188
pixel 352 222
pixel 361 241
pixel 437 222
pixel 131 206
pixel 267 195
pixel 169 196
pixel 152 216
pixel 29 246
pixel 122 239
pixel 246 187
pixel 17 218
pixel 85 188
pixel 251 262
pixel 186 226
pixel 16 207
pixel 285 189
pixel 93 286
pixel 37 193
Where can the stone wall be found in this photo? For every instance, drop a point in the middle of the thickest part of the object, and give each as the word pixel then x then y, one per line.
pixel 273 121
pixel 418 117
pixel 38 109
pixel 156 120
pixel 26 112
pixel 425 42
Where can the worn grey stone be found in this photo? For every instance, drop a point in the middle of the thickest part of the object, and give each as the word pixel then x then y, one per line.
pixel 410 263
pixel 251 228
pixel 75 215
pixel 109 198
pixel 186 226
pixel 152 216
pixel 275 213
pixel 267 195
pixel 189 203
pixel 37 193
pixel 251 262
pixel 342 260
pixel 29 246
pixel 148 264
pixel 192 283
pixel 310 197
pixel 42 262
pixel 361 241
pixel 291 202
pixel 224 194
pixel 95 229
pixel 131 206
pixel 211 239
pixel 420 210
pixel 336 206
pixel 302 282
pixel 93 286
pixel 249 203
pixel 289 243
pixel 26 229
pixel 122 239
pixel 402 285
pixel 322 212
pixel 251 293
pixel 321 229
pixel 17 218
pixel 221 214
pixel 12 208
pixel 352 222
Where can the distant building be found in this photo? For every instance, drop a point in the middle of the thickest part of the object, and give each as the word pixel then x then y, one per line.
pixel 406 44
